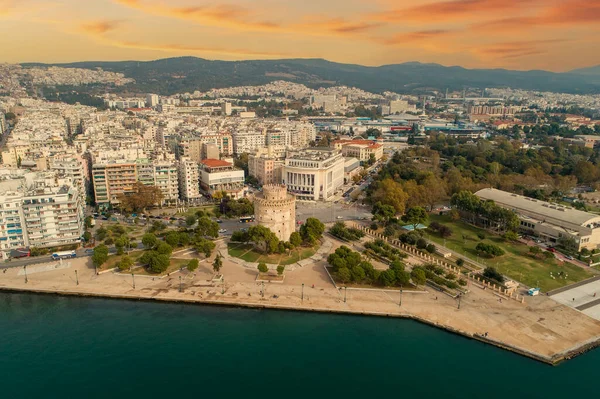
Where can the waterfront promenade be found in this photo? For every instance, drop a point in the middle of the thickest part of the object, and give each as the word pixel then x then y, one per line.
pixel 540 328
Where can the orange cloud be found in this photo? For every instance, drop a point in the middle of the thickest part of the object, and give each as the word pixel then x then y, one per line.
pixel 418 36
pixel 99 27
pixel 240 18
pixel 99 30
pixel 516 49
pixel 455 10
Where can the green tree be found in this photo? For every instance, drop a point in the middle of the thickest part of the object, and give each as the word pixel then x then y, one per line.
pixel 193 265
pixel 280 269
pixel 190 220
pixel 149 240
pixel 387 278
pixel 164 249
pixel 262 267
pixel 418 276
pixel 493 274
pixel 87 236
pixel 263 238
pixel 344 275
pixel 100 255
pixel 207 228
pixel 415 216
pixel 218 263
pixel 121 243
pixel 295 239
pixel 383 213
pixel 125 263
pixel 204 246
pixel 312 230
pixel 172 238
pixel 88 222
pixel 390 192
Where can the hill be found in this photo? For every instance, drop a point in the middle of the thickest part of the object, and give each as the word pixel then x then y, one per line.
pixel 186 74
pixel 588 71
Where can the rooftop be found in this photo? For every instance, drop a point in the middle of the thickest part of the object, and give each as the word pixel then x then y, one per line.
pixel 543 208
pixel 215 163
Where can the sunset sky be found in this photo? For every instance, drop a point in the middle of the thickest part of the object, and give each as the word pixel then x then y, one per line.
pixel 556 35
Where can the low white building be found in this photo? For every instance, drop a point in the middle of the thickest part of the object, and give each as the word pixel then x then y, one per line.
pixel 217 175
pixel 314 174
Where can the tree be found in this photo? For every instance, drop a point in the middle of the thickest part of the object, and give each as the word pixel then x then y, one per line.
pixel 217 263
pixel 312 230
pixel 172 238
pixel 489 249
pixel 149 240
pixel 207 228
pixel 121 243
pixel 263 238
pixel 358 273
pixel 493 274
pixel 262 267
pixel 383 213
pixel 164 249
pixel 295 239
pixel 204 246
pixel 125 263
pixel 87 236
pixel 387 278
pixel 418 276
pixel 389 192
pixel 344 275
pixel 280 269
pixel 88 222
pixel 193 265
pixel 511 236
pixel 141 197
pixel 415 216
pixel 100 255
pixel 190 220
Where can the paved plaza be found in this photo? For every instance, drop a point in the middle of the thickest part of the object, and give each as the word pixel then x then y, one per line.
pixel 584 296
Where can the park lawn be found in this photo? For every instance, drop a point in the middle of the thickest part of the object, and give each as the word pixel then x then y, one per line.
pixel 247 253
pixel 113 260
pixel 192 211
pixel 516 263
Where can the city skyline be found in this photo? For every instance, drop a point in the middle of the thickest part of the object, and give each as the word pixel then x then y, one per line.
pixel 555 35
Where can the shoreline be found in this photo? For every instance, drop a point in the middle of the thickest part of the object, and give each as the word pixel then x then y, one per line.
pixel 554 360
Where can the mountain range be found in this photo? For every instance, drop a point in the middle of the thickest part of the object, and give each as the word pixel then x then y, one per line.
pixel 187 74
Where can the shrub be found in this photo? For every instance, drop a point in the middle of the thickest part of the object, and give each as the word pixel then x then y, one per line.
pixel 374 226
pixel 262 267
pixel 460 262
pixel 493 274
pixel 462 282
pixel 280 269
pixel 421 243
pixel 489 249
pixel 109 241
pixel 450 276
pixel 430 248
pixel 418 276
pixel 193 265
pixel 481 236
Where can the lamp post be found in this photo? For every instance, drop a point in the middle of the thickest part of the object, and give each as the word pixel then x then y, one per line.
pixel 400 303
pixel 133 280
pixel 180 285
pixel 76 277
pixel 25 269
pixel 302 297
pixel 459 295
pixel 345 290
pixel 222 286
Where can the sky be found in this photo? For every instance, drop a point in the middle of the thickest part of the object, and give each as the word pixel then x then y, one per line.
pixel 556 35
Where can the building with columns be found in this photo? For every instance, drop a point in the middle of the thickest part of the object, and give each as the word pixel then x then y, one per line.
pixel 314 174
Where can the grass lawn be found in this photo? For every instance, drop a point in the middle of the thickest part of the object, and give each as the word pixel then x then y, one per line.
pixel 516 263
pixel 192 211
pixel 246 252
pixel 113 260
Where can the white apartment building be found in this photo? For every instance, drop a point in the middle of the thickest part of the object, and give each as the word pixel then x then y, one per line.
pixel 166 177
pixel 217 175
pixel 248 141
pixel 265 168
pixel 42 217
pixel 314 174
pixel 152 100
pixel 72 169
pixel 189 180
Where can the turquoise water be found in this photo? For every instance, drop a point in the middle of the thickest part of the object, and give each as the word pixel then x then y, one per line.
pixel 55 347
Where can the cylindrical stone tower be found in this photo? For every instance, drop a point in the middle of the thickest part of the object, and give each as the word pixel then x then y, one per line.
pixel 276 209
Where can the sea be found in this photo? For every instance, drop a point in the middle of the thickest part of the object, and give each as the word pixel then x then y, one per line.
pixel 71 347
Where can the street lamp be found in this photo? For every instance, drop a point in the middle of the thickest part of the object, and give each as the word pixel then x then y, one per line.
pixel 25 269
pixel 400 303
pixel 345 290
pixel 133 280
pixel 180 285
pixel 302 297
pixel 76 277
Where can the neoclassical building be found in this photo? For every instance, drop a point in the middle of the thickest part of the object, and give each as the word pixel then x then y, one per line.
pixel 276 209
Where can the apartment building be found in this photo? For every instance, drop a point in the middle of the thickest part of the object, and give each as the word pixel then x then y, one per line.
pixel 111 180
pixel 189 180
pixel 248 141
pixel 47 215
pixel 314 174
pixel 192 147
pixel 166 177
pixel 265 168
pixel 360 149
pixel 217 175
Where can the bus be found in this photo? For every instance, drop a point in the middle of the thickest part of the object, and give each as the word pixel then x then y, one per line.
pixel 247 219
pixel 63 255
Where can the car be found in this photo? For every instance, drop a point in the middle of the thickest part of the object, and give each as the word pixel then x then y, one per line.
pixel 223 231
pixel 551 249
pixel 340 217
pixel 569 257
pixel 89 251
pixel 219 221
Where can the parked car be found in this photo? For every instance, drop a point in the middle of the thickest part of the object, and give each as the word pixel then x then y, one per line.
pixel 222 231
pixel 219 221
